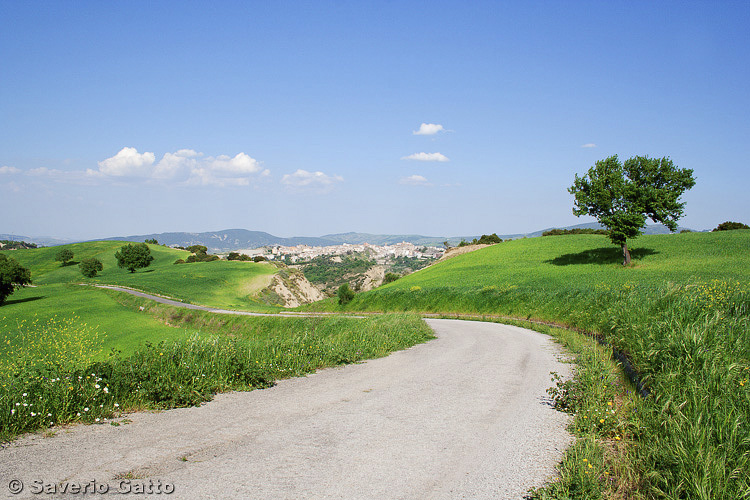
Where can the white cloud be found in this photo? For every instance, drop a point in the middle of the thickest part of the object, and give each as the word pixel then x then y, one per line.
pixel 415 180
pixel 589 145
pixel 128 163
pixel 426 157
pixel 428 129
pixel 185 166
pixel 9 170
pixel 176 165
pixel 316 181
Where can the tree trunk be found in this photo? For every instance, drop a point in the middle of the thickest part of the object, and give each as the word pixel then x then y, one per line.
pixel 625 254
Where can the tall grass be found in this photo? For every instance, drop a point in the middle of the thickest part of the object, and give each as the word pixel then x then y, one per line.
pixel 36 394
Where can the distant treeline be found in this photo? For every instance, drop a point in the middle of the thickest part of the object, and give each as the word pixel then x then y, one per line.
pixel 15 245
pixel 580 230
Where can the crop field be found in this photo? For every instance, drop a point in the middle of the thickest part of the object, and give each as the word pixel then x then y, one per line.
pixel 681 313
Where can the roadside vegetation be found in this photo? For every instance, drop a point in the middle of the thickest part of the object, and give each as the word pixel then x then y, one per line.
pixel 680 313
pixel 57 371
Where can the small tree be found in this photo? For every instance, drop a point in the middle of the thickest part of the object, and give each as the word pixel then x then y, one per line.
pixel 132 257
pixel 90 267
pixel 12 276
pixel 64 255
pixel 730 226
pixel 152 241
pixel 622 196
pixel 345 294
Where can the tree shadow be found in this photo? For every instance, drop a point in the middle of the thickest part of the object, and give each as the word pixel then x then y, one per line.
pixel 605 255
pixel 21 301
pixel 70 263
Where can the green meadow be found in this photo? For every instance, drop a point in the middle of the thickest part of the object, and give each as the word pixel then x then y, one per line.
pixel 680 312
pixel 218 284
pixel 70 352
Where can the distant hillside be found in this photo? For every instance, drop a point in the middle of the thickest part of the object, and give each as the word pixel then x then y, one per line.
pixel 44 241
pixel 227 240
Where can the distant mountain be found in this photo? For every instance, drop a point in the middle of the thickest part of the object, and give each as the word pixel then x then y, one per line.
pixel 228 240
pixel 225 240
pixel 42 241
pixel 388 239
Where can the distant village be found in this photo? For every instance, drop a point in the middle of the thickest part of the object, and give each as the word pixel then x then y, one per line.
pixel 379 253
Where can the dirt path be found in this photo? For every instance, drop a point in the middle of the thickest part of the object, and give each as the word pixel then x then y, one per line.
pixel 177 303
pixel 462 416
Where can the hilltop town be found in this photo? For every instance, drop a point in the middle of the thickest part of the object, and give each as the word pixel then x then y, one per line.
pixel 379 253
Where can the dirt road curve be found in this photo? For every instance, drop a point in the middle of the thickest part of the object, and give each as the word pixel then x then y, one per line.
pixel 462 416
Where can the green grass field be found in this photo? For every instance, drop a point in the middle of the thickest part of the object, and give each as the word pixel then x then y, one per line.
pixel 224 284
pixel 681 313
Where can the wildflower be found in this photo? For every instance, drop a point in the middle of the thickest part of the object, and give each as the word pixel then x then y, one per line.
pixel 86 409
pixel 96 386
pixel 601 420
pixel 106 390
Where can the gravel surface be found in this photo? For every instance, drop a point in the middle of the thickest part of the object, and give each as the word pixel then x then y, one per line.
pixel 462 416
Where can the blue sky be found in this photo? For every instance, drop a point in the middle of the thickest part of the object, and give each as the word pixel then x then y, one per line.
pixel 303 118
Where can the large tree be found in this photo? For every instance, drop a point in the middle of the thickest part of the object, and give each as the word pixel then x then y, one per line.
pixel 132 257
pixel 12 276
pixel 621 196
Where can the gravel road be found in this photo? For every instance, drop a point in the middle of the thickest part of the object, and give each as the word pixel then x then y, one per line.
pixel 462 416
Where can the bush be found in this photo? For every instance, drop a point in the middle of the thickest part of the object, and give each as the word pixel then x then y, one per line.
pixel 345 294
pixel 489 239
pixel 390 278
pixel 179 261
pixel 578 230
pixel 730 226
pixel 90 267
pixel 259 258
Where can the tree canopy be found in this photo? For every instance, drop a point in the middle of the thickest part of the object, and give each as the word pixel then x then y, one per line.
pixel 12 276
pixel 134 256
pixel 90 267
pixel 730 226
pixel 621 196
pixel 64 255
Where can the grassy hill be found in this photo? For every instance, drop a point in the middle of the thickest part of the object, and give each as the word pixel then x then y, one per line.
pixel 500 279
pixel 217 283
pixel 72 353
pixel 681 313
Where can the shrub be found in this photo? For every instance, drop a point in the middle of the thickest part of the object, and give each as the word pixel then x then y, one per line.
pixel 390 278
pixel 179 261
pixel 489 239
pixel 730 226
pixel 90 267
pixel 345 294
pixel 259 258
